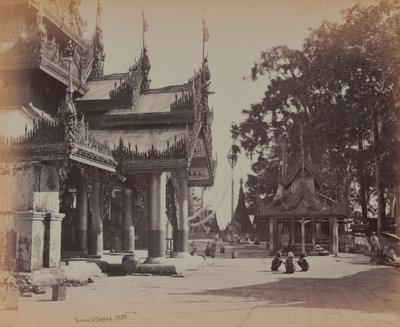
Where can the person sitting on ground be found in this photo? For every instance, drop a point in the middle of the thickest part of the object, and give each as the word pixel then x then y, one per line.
pixel 207 251
pixel 213 249
pixel 390 256
pixel 276 262
pixel 289 263
pixel 374 240
pixel 193 248
pixel 303 263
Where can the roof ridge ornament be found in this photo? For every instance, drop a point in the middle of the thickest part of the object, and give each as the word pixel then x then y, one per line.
pixel 98 45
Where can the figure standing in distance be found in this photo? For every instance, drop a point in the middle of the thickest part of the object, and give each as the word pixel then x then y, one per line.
pixel 289 263
pixel 374 240
pixel 303 263
pixel 276 263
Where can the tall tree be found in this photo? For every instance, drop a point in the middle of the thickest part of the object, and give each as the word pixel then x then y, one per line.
pixel 343 88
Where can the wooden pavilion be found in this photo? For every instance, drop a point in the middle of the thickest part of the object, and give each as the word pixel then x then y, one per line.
pixel 300 216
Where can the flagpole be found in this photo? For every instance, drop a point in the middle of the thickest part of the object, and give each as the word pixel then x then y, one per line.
pixel 204 24
pixel 143 27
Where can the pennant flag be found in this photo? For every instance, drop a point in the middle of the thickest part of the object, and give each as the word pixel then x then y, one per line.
pixel 206 35
pixel 145 23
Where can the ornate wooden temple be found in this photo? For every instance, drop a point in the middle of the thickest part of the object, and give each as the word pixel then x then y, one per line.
pixel 91 162
pixel 300 216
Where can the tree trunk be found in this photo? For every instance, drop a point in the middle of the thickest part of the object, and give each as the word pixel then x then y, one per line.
pixel 379 193
pixel 361 175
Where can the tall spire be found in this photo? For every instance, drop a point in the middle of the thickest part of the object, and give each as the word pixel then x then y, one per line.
pixel 98 46
pixel 206 35
pixel 98 17
pixel 301 141
pixel 69 108
pixel 302 151
pixel 70 52
pixel 145 28
pixel 284 156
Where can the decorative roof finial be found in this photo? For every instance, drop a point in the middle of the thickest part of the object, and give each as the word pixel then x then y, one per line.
pixel 302 151
pixel 206 35
pixel 70 110
pixel 98 46
pixel 145 28
pixel 99 10
pixel 301 141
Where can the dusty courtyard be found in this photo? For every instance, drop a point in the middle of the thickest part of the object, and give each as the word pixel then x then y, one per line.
pixel 345 291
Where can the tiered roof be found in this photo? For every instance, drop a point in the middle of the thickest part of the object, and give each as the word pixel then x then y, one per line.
pixel 297 196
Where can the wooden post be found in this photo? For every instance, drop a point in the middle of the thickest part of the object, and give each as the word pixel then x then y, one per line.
pixel 313 232
pixel 271 234
pixel 335 237
pixel 82 208
pixel 292 232
pixel 158 219
pixel 331 234
pixel 128 232
pixel 181 246
pixel 303 235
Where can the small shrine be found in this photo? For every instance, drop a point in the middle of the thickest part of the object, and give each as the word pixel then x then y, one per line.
pixel 300 216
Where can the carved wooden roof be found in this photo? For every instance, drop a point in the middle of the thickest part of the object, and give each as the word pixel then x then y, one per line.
pixel 301 203
pixel 65 15
pixel 34 49
pixel 140 140
pixel 146 118
pixel 308 165
pixel 51 139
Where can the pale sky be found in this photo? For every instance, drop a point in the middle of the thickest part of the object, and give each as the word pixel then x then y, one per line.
pixel 239 30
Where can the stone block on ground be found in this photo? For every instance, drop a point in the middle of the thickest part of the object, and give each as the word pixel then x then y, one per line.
pixel 130 263
pixel 156 269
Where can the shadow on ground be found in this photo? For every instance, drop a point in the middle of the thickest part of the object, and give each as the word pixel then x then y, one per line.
pixel 375 290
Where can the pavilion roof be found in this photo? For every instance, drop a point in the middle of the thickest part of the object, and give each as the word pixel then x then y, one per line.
pixel 300 202
pixel 100 87
pixel 308 165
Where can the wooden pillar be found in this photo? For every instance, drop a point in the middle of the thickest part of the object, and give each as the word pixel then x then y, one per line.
pixel 331 234
pixel 271 234
pixel 292 232
pixel 82 210
pixel 313 227
pixel 128 231
pixel 335 237
pixel 303 236
pixel 96 232
pixel 158 219
pixel 181 245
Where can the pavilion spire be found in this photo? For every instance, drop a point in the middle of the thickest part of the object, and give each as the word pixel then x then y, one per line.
pixel 206 36
pixel 302 151
pixel 98 16
pixel 145 27
pixel 98 45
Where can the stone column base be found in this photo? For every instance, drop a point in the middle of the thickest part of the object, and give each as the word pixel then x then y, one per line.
pixel 180 255
pixel 156 260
